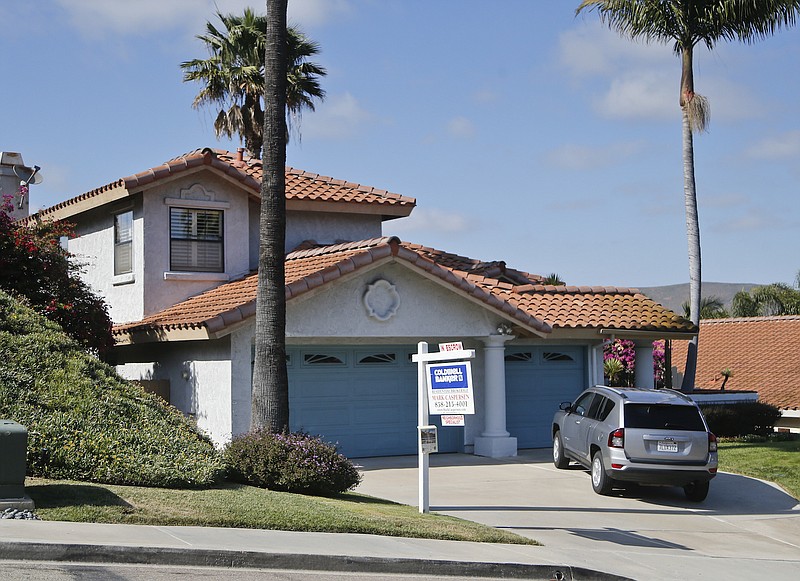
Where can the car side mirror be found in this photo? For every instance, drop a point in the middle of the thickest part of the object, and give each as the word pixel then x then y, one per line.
pixel 566 406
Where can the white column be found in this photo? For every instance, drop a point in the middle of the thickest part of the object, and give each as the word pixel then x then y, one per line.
pixel 643 375
pixel 495 441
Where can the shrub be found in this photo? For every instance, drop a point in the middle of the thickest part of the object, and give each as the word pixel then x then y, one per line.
pixel 290 462
pixel 740 419
pixel 85 422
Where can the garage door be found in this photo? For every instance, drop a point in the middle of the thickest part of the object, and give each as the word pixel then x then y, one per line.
pixel 362 398
pixel 538 379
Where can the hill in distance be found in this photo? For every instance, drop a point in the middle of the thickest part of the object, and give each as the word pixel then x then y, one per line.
pixel 673 296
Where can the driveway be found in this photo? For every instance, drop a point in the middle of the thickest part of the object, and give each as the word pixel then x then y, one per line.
pixel 746 528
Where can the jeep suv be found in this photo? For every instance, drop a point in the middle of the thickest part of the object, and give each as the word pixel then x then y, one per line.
pixel 645 436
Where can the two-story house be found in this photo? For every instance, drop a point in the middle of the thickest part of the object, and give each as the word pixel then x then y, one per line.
pixel 173 250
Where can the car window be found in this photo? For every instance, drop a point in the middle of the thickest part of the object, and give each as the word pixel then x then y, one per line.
pixel 581 406
pixel 595 407
pixel 608 405
pixel 673 417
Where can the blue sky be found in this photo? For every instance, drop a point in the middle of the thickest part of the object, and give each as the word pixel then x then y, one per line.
pixel 526 134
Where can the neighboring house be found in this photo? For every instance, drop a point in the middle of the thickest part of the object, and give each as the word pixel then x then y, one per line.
pixel 173 250
pixel 762 352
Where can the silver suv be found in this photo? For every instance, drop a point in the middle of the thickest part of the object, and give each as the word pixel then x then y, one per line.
pixel 645 436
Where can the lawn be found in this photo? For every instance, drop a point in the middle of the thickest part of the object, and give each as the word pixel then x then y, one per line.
pixel 240 506
pixel 777 462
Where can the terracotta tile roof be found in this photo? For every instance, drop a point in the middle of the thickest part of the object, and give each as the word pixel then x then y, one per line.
pixel 539 307
pixel 301 186
pixel 762 352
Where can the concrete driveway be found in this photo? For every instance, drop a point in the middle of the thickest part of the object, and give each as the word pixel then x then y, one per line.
pixel 746 528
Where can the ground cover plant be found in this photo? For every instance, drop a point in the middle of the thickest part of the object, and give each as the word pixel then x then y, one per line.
pixel 775 459
pixel 242 506
pixel 85 422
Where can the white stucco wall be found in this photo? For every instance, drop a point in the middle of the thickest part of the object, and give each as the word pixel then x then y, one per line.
pixel 328 228
pixel 199 374
pixel 93 248
pixel 164 288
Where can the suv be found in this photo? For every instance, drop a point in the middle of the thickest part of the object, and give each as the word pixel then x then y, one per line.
pixel 646 436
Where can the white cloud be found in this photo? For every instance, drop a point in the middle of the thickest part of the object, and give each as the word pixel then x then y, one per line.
pixel 338 117
pixel 572 156
pixel 315 12
pixel 639 95
pixel 430 219
pixel 783 146
pixel 460 128
pixel 485 96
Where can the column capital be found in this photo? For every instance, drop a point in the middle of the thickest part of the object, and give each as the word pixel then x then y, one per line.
pixel 496 340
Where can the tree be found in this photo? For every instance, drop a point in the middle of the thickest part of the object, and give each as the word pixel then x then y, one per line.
pixel 270 379
pixel 553 279
pixel 774 299
pixel 34 265
pixel 711 307
pixel 686 23
pixel 233 76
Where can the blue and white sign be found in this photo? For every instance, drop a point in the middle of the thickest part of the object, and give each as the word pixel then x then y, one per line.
pixel 450 388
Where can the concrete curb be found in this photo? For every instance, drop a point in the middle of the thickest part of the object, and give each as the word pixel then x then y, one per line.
pixel 77 553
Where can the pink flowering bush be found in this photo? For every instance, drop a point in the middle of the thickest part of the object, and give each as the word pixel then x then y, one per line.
pixel 624 351
pixel 290 462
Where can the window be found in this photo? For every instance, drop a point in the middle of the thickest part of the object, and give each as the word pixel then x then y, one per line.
pixel 195 238
pixel 123 243
pixel 582 405
pixel 556 356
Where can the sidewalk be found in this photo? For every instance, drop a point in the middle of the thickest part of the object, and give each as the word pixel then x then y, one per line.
pixel 206 546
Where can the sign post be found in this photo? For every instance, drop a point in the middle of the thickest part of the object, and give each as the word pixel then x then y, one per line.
pixel 450 390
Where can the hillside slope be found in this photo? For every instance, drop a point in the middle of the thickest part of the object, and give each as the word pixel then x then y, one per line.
pixel 674 295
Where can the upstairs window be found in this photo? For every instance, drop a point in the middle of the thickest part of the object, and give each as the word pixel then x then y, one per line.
pixel 195 240
pixel 123 243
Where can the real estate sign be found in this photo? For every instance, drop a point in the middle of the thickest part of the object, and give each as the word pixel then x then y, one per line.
pixel 450 388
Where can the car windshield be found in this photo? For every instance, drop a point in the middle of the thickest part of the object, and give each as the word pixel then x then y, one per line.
pixel 673 417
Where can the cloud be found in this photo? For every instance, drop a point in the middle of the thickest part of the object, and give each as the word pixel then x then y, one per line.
pixel 485 96
pixel 576 157
pixel 339 117
pixel 460 128
pixel 314 13
pixel 776 147
pixel 431 219
pixel 637 96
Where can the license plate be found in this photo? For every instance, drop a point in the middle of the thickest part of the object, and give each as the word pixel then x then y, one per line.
pixel 664 446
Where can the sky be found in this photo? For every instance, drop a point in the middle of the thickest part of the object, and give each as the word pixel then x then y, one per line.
pixel 525 133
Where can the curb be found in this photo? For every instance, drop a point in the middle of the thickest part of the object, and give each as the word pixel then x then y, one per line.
pixel 77 553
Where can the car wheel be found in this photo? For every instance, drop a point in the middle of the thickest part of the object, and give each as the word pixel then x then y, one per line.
pixel 696 491
pixel 601 483
pixel 559 459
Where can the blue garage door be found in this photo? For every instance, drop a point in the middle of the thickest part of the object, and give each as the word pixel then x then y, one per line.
pixel 362 398
pixel 538 379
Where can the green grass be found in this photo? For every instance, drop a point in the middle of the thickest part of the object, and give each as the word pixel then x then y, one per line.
pixel 240 506
pixel 777 462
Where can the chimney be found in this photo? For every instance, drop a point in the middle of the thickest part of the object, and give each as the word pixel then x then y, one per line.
pixel 239 157
pixel 13 173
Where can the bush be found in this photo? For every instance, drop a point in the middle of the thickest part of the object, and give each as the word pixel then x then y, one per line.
pixel 740 419
pixel 85 422
pixel 290 462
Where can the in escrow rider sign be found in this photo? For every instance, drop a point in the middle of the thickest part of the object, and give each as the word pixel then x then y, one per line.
pixel 450 388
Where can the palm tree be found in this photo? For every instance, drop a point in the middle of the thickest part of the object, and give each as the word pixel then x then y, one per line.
pixel 774 299
pixel 270 380
pixel 233 76
pixel 553 279
pixel 686 23
pixel 710 308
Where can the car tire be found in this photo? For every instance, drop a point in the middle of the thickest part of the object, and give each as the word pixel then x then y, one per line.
pixel 559 458
pixel 696 491
pixel 601 482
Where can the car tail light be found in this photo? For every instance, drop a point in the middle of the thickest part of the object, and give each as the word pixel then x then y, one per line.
pixel 712 442
pixel 616 439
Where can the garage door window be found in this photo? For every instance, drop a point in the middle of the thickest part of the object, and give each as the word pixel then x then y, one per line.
pixel 378 359
pixel 322 359
pixel 556 356
pixel 519 357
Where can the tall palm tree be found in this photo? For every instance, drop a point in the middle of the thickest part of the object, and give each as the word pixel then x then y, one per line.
pixel 684 24
pixel 233 76
pixel 711 307
pixel 270 380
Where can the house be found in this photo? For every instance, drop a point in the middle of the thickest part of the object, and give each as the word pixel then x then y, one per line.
pixel 173 250
pixel 762 352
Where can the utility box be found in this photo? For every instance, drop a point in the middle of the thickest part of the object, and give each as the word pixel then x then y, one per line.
pixel 13 460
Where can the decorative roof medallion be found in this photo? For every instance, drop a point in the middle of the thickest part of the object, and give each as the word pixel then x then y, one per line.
pixel 381 300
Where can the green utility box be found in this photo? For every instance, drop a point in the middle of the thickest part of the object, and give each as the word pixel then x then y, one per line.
pixel 13 462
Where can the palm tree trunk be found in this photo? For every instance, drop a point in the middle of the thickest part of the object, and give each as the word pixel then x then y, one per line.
pixel 692 221
pixel 270 381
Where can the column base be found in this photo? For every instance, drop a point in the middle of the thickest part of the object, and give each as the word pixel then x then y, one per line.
pixel 502 447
